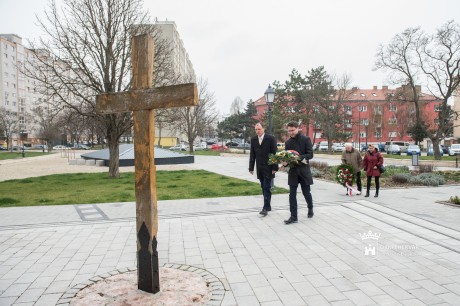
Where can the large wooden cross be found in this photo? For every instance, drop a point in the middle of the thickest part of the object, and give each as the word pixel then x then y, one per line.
pixel 142 100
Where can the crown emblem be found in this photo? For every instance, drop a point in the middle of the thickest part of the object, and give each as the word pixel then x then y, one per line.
pixel 370 235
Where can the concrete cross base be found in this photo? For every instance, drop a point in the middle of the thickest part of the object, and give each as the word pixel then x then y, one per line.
pixel 100 163
pixel 90 162
pixel 73 162
pixel 80 161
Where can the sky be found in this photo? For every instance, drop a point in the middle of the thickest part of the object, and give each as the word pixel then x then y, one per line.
pixel 241 46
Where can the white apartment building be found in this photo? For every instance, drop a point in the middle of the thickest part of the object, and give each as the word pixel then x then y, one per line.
pixel 180 58
pixel 18 94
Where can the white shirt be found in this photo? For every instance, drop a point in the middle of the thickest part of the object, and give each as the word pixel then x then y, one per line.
pixel 261 138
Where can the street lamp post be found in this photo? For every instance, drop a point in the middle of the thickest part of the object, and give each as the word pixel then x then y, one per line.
pixel 269 98
pixel 244 139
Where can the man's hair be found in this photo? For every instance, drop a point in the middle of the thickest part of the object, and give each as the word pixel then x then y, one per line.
pixel 293 124
pixel 259 123
pixel 347 144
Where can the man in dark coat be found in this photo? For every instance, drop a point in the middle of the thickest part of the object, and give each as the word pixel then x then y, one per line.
pixel 300 174
pixel 261 146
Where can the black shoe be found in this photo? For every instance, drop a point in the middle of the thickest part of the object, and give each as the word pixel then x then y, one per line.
pixel 263 212
pixel 310 213
pixel 367 195
pixel 376 195
pixel 290 220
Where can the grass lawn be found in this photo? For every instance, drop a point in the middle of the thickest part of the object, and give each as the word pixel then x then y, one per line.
pixel 404 156
pixel 82 188
pixel 8 155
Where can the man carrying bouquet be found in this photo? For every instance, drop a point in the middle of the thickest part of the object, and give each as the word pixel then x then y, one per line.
pixel 300 174
pixel 261 146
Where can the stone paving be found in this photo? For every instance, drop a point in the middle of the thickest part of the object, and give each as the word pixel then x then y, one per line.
pixel 44 251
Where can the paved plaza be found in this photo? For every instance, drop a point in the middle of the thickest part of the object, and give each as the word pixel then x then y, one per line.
pixel 402 248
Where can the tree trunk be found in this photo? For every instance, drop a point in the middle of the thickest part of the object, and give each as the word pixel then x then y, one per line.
pixel 114 150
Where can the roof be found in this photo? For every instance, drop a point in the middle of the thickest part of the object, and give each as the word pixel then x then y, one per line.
pixel 162 156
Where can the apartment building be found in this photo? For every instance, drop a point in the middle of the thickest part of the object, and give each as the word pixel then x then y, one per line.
pixel 376 115
pixel 18 94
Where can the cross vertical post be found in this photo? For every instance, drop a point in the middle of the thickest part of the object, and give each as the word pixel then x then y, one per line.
pixel 142 100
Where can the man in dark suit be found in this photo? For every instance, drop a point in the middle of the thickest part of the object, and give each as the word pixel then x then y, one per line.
pixel 300 174
pixel 261 146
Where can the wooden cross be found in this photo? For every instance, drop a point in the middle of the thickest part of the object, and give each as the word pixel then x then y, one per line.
pixel 142 100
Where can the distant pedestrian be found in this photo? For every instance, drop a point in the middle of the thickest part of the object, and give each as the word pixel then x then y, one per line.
pixel 372 161
pixel 300 174
pixel 261 146
pixel 353 158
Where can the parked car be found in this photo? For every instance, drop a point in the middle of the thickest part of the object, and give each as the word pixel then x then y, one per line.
pixel 179 147
pixel 59 147
pixel 393 149
pixel 2 148
pixel 445 149
pixel 454 149
pixel 430 152
pixel 323 146
pixel 40 146
pixel 244 146
pixel 413 150
pixel 364 147
pixel 19 148
pixel 338 147
pixel 80 146
pixel 232 144
pixel 218 147
pixel 403 145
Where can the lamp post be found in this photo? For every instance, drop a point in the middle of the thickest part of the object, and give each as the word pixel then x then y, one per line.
pixel 269 98
pixel 244 139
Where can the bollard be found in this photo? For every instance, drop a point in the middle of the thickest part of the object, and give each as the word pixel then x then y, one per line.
pixel 23 152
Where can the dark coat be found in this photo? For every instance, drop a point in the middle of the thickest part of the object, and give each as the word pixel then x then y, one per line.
pixel 260 153
pixel 370 160
pixel 301 144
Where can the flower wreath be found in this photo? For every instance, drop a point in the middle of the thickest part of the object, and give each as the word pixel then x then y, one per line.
pixel 345 174
pixel 289 156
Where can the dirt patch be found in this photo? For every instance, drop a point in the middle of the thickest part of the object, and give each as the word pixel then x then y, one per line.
pixel 177 288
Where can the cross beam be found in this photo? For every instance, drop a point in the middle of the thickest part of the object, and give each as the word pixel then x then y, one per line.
pixel 142 100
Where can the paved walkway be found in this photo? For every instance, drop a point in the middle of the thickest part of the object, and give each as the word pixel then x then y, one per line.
pixel 320 261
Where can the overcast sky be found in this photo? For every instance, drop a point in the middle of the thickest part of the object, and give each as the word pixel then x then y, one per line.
pixel 241 46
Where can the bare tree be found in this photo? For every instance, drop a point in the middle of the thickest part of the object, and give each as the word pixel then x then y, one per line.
pixel 439 59
pixel 47 122
pixel 399 59
pixel 87 51
pixel 413 54
pixel 237 106
pixel 194 120
pixel 8 124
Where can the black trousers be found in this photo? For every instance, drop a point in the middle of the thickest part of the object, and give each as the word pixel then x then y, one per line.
pixel 293 197
pixel 377 183
pixel 358 180
pixel 265 184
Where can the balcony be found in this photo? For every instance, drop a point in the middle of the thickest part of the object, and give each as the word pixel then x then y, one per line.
pixel 349 113
pixel 347 126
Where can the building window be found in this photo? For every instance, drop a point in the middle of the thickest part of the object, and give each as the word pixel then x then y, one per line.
pixel 392 134
pixel 392 107
pixel 437 108
pixel 377 134
pixel 362 134
pixel 392 121
pixel 436 121
pixel 347 108
pixel 364 122
pixel 363 108
pixel 317 134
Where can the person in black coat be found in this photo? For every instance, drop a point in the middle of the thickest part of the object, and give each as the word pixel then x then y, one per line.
pixel 261 146
pixel 300 174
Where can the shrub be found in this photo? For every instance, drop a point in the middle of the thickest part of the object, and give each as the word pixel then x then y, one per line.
pixel 427 179
pixel 455 200
pixel 426 168
pixel 401 178
pixel 319 165
pixel 316 172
